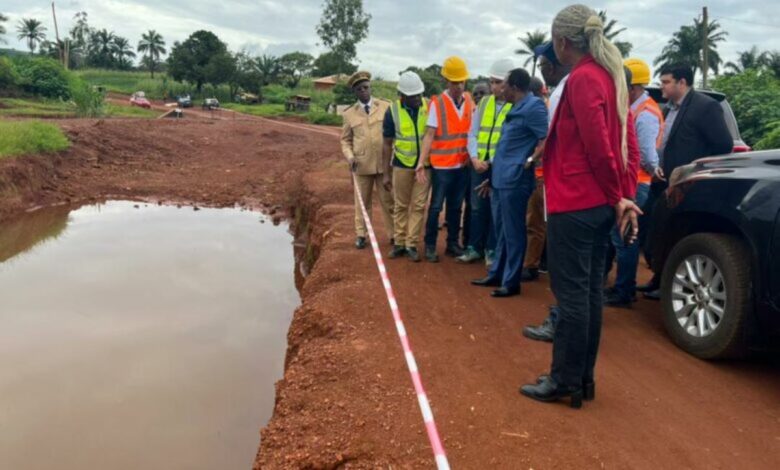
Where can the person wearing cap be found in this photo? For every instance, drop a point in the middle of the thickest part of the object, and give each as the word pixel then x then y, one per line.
pixel 649 124
pixel 445 151
pixel 512 181
pixel 555 75
pixel 361 144
pixel 403 130
pixel 483 139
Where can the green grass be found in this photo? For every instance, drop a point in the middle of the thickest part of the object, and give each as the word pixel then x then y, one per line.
pixel 30 137
pixel 277 110
pixel 35 108
pixel 57 109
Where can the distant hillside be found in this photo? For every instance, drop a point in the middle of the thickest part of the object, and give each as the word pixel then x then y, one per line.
pixel 11 52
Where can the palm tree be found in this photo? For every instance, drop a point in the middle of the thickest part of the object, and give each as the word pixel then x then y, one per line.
pixel 610 32
pixel 715 34
pixel 122 51
pixel 268 66
pixel 686 47
pixel 751 59
pixel 100 48
pixel 531 41
pixel 32 31
pixel 3 19
pixel 153 45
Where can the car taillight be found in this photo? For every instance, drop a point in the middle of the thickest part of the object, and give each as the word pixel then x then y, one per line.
pixel 741 148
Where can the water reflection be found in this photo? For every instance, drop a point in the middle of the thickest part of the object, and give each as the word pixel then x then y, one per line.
pixel 141 338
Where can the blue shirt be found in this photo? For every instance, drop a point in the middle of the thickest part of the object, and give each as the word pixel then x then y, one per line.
pixel 647 127
pixel 525 125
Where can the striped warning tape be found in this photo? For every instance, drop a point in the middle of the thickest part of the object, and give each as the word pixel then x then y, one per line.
pixel 422 398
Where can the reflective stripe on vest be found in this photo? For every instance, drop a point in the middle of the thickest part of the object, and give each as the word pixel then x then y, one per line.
pixel 408 136
pixel 651 107
pixel 490 127
pixel 449 148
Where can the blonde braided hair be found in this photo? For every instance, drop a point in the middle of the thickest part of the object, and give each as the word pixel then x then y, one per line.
pixel 583 27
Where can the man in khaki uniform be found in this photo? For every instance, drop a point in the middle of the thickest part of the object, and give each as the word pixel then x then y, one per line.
pixel 361 143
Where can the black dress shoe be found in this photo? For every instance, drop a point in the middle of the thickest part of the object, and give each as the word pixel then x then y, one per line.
pixel 413 255
pixel 654 284
pixel 529 274
pixel 652 295
pixel 544 332
pixel 616 300
pixel 360 243
pixel 505 292
pixel 453 251
pixel 549 391
pixel 486 282
pixel 588 387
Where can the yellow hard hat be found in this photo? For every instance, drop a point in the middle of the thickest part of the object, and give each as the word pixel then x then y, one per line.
pixel 640 71
pixel 454 69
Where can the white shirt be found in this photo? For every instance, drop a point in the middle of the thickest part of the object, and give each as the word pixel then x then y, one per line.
pixel 433 115
pixel 555 97
pixel 363 105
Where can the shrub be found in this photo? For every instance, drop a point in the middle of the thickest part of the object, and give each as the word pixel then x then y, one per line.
pixel 42 76
pixel 29 137
pixel 755 98
pixel 326 119
pixel 8 76
pixel 771 139
pixel 89 102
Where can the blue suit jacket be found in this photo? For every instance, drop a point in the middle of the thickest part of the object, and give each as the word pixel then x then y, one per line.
pixel 525 125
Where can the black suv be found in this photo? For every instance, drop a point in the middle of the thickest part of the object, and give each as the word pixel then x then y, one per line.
pixel 717 248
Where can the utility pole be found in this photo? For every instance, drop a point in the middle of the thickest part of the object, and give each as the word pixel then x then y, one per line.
pixel 60 47
pixel 705 46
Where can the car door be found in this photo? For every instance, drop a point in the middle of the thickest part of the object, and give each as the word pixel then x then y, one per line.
pixel 774 266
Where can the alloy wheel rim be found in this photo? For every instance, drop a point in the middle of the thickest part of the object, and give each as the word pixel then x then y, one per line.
pixel 699 296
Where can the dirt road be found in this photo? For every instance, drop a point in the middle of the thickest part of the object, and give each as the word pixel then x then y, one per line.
pixel 346 400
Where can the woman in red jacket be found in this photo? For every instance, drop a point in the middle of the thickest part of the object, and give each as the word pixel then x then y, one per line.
pixel 590 165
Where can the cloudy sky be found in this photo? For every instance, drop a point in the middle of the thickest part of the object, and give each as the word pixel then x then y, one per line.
pixel 403 32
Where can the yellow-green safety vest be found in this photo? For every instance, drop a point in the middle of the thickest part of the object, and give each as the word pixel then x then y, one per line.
pixel 490 127
pixel 408 137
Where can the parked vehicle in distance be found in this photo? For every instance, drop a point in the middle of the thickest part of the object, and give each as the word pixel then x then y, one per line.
pixel 210 103
pixel 247 98
pixel 139 99
pixel 184 101
pixel 728 114
pixel 716 244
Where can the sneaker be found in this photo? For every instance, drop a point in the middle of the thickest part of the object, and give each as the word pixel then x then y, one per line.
pixel 529 274
pixel 360 243
pixel 490 256
pixel 430 254
pixel 469 256
pixel 413 255
pixel 454 251
pixel 397 252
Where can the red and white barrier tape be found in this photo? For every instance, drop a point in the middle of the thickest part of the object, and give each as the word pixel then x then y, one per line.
pixel 422 398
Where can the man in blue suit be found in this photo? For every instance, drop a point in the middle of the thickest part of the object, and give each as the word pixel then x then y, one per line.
pixel 512 182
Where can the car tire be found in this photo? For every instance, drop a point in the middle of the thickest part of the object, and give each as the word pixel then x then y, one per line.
pixel 730 293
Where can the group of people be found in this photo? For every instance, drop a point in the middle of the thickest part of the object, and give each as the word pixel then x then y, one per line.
pixel 567 173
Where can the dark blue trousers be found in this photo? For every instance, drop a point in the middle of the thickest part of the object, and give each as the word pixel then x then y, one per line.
pixel 509 208
pixel 449 186
pixel 482 235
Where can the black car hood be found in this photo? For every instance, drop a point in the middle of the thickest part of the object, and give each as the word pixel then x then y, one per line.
pixel 750 165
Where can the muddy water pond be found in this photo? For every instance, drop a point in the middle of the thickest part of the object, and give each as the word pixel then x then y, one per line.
pixel 137 336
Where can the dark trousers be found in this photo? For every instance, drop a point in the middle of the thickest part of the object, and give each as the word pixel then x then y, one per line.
pixel 482 234
pixel 627 256
pixel 577 246
pixel 449 186
pixel 466 232
pixel 509 218
pixel 645 220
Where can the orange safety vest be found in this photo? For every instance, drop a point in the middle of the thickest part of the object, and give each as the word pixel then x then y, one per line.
pixel 450 144
pixel 652 107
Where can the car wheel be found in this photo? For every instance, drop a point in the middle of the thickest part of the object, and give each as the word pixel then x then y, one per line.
pixel 707 297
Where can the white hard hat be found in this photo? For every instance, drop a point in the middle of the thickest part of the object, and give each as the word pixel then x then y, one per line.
pixel 409 84
pixel 499 70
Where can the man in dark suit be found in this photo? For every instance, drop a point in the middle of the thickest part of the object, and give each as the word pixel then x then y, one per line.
pixel 694 128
